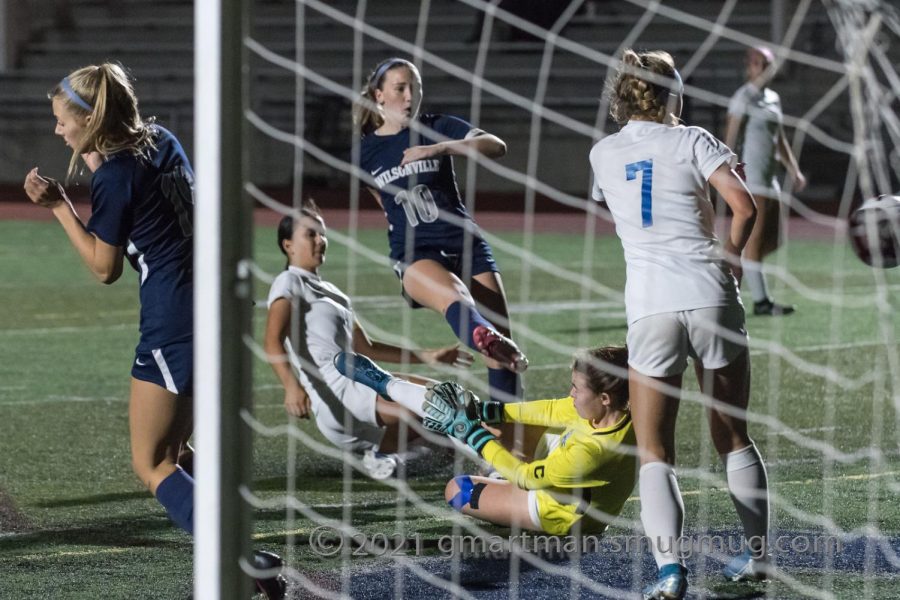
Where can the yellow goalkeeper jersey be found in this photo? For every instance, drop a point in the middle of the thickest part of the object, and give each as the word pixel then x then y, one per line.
pixel 596 466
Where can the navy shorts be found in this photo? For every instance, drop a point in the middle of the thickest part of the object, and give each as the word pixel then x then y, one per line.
pixel 451 259
pixel 171 367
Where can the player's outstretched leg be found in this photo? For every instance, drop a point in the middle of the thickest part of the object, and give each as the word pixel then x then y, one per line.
pixel 500 348
pixel 273 584
pixel 362 370
pixel 671 584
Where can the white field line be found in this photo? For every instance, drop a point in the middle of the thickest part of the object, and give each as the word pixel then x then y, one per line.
pixel 51 555
pixel 67 329
pixel 55 316
pixel 65 400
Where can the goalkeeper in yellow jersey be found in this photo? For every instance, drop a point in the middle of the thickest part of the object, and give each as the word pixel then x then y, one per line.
pixel 594 466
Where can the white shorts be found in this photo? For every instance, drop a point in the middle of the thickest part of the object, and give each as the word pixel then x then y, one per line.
pixel 348 420
pixel 659 345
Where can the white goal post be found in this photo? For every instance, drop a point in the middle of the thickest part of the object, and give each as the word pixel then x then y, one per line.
pixel 222 304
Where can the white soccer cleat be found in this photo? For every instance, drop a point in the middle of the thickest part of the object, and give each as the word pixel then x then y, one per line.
pixel 746 568
pixel 379 466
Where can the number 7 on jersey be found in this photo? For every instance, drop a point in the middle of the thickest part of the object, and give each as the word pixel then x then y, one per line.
pixel 646 167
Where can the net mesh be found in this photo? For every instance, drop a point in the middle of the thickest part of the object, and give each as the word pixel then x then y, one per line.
pixel 824 398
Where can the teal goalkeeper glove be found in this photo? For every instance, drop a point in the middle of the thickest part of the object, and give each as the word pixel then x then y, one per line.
pixel 452 410
pixel 489 411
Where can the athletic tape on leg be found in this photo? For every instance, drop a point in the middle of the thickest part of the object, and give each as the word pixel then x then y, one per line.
pixel 464 495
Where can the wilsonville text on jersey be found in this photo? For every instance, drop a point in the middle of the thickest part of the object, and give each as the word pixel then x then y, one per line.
pixel 419 166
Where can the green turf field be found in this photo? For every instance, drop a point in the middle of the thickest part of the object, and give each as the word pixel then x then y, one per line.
pixel 77 524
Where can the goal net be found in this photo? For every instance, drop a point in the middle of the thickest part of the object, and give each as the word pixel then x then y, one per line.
pixel 824 393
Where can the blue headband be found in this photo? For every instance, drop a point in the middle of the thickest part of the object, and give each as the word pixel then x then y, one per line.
pixel 384 68
pixel 73 96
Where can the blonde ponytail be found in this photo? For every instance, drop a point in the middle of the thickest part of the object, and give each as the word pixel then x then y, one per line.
pixel 113 123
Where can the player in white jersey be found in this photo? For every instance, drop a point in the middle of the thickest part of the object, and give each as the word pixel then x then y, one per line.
pixel 756 133
pixel 681 301
pixel 348 414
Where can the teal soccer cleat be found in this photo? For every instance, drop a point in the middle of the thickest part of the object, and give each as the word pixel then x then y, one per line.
pixel 362 370
pixel 671 585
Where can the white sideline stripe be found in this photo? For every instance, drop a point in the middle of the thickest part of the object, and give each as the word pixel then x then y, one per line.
pixel 46 555
pixel 164 369
pixel 64 399
pixel 51 316
pixel 66 329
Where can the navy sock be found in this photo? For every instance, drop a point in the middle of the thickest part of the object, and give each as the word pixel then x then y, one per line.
pixel 505 385
pixel 176 494
pixel 459 315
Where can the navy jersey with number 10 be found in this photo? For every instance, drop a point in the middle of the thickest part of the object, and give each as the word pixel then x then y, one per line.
pixel 427 187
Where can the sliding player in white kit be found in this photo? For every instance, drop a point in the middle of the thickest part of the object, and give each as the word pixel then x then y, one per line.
pixel 681 300
pixel 347 414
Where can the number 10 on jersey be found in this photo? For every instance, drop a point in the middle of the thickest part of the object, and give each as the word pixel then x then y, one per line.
pixel 646 169
pixel 418 201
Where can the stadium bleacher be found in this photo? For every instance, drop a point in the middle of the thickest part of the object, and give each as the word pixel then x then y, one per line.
pixel 155 42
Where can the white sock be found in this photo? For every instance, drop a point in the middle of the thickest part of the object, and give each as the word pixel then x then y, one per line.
pixel 749 488
pixel 408 395
pixel 755 280
pixel 662 511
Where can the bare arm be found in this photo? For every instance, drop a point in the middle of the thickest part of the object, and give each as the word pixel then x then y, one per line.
pixel 486 144
pixel 743 209
pixel 296 400
pixel 382 352
pixel 790 161
pixel 104 260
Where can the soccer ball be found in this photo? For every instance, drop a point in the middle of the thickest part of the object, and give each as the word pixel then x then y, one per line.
pixel 875 231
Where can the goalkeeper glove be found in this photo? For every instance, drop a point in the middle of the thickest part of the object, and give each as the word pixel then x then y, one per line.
pixel 452 410
pixel 489 411
pixel 479 438
pixel 449 410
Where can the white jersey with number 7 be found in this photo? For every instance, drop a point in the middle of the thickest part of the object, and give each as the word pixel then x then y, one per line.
pixel 655 180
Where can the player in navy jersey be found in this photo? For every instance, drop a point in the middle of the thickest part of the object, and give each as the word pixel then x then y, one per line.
pixel 142 209
pixel 442 261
